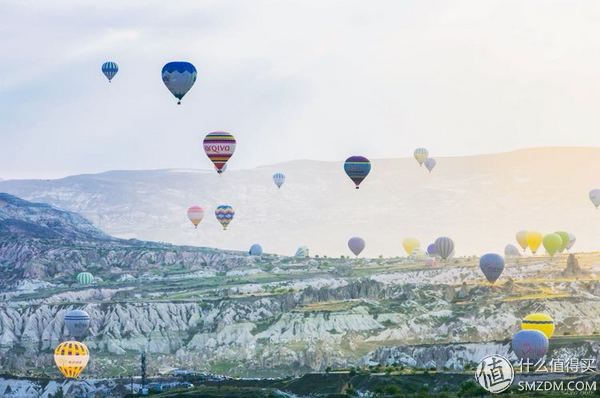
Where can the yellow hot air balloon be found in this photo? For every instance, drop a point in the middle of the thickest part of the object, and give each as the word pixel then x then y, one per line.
pixel 552 243
pixel 410 245
pixel 71 357
pixel 541 322
pixel 522 239
pixel 534 240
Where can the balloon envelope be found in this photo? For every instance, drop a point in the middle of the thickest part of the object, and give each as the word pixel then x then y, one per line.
pixel 357 168
pixel 410 245
pixel 534 240
pixel 522 239
pixel 224 214
pixel 421 154
pixel 179 77
pixel 356 245
pixel 219 146
pixel 511 251
pixel 85 278
pixel 195 215
pixel 595 197
pixel 572 240
pixel 110 69
pixel 430 163
pixel 444 247
pixel 255 250
pixel 71 357
pixel 491 265
pixel 302 252
pixel 552 243
pixel 279 179
pixel 77 323
pixel 431 250
pixel 538 321
pixel 564 236
pixel 530 344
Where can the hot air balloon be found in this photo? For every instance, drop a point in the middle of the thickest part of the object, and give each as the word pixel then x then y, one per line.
pixel 511 251
pixel 85 278
pixel 572 240
pixel 77 323
pixel 255 250
pixel 110 69
pixel 224 214
pixel 302 252
pixel 564 236
pixel 491 265
pixel 522 239
pixel 179 77
pixel 421 154
pixel 195 214
pixel 279 179
pixel 552 243
pixel 541 322
pixel 430 163
pixel 356 245
pixel 410 245
pixel 431 250
pixel 530 344
pixel 595 197
pixel 357 168
pixel 219 147
pixel 444 247
pixel 534 240
pixel 71 357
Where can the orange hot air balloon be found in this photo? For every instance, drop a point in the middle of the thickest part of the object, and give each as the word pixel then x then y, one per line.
pixel 71 357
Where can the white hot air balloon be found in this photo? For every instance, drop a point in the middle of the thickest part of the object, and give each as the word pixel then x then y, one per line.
pixel 595 197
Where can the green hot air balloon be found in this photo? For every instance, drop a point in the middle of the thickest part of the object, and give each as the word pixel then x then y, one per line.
pixel 85 278
pixel 565 240
pixel 552 243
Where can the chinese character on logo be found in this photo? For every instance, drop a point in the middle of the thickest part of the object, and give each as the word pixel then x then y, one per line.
pixel 495 373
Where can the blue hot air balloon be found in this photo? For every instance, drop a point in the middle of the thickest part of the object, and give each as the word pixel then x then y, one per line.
pixel 255 250
pixel 179 77
pixel 302 252
pixel 77 323
pixel 444 247
pixel 431 250
pixel 530 344
pixel 110 69
pixel 491 265
pixel 279 179
pixel 357 168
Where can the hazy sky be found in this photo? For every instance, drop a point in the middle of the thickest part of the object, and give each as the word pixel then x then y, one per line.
pixel 292 79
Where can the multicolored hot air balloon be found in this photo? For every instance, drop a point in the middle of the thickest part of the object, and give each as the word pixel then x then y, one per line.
pixel 538 321
pixel 530 344
pixel 595 197
pixel 522 239
pixel 356 245
pixel 85 278
pixel 357 168
pixel 430 163
pixel 219 147
pixel 195 214
pixel 511 251
pixel 71 357
pixel 410 245
pixel 572 240
pixel 421 154
pixel 302 252
pixel 77 323
pixel 565 240
pixel 534 240
pixel 110 69
pixel 224 214
pixel 552 243
pixel 255 250
pixel 179 77
pixel 491 265
pixel 444 247
pixel 279 179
